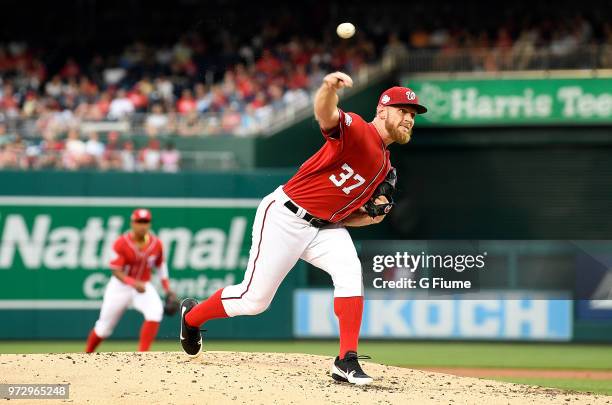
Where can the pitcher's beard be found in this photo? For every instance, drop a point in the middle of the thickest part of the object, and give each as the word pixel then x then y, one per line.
pixel 399 136
pixel 402 137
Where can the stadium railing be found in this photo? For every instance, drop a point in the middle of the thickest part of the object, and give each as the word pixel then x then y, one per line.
pixel 520 57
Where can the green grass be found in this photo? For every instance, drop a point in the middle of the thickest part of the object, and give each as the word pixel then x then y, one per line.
pixel 577 384
pixel 413 354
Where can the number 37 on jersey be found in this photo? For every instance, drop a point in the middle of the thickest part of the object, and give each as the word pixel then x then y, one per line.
pixel 348 176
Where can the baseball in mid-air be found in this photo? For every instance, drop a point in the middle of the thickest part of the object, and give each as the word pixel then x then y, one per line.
pixel 345 30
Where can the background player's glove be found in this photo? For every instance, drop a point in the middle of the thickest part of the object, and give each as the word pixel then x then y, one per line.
pixel 385 188
pixel 171 304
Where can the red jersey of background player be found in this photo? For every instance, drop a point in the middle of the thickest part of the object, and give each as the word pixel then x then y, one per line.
pixel 342 175
pixel 137 262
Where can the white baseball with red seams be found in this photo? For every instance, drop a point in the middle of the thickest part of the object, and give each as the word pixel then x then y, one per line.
pixel 345 30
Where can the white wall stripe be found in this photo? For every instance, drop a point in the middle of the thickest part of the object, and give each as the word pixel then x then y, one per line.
pixel 50 304
pixel 130 202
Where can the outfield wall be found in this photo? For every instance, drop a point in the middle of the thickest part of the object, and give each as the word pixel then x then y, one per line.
pixel 56 229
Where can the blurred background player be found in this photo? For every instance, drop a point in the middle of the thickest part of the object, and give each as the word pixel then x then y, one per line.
pixel 135 254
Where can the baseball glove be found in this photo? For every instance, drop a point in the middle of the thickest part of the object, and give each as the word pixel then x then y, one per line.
pixel 171 304
pixel 385 188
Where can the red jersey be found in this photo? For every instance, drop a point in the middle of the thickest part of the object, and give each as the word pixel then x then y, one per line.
pixel 344 173
pixel 135 262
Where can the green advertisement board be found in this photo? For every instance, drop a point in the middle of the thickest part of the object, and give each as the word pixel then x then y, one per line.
pixel 57 248
pixel 513 101
pixel 54 254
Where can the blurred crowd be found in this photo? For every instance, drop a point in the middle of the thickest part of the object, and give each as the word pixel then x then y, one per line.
pixel 568 43
pixel 74 153
pixel 59 89
pixel 169 89
pixel 182 89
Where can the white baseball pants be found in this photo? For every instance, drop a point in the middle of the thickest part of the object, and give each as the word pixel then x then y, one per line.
pixel 118 297
pixel 279 239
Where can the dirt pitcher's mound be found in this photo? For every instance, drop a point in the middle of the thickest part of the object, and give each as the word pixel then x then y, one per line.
pixel 255 378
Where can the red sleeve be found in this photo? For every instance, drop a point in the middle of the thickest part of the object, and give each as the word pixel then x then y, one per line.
pixel 162 268
pixel 160 256
pixel 349 124
pixel 335 133
pixel 117 260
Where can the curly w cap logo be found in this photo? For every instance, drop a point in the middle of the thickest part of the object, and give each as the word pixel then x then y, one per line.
pixel 385 99
pixel 410 94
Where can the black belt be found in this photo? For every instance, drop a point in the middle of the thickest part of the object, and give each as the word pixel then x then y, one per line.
pixel 312 220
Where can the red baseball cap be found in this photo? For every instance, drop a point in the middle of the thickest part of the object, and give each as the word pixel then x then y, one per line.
pixel 141 215
pixel 401 96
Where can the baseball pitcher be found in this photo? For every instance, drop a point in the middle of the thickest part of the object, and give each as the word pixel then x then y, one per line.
pixel 349 182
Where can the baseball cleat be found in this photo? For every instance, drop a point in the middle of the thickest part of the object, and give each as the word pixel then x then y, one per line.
pixel 349 370
pixel 191 338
